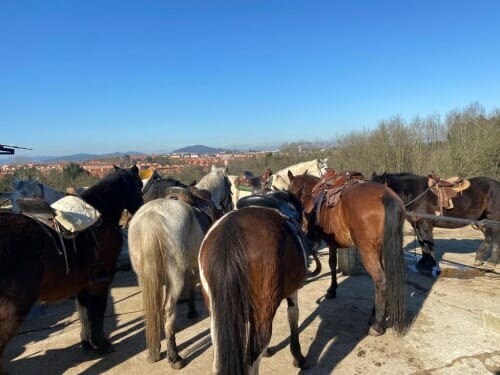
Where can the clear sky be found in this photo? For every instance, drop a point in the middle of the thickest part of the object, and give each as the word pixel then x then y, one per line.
pixel 153 76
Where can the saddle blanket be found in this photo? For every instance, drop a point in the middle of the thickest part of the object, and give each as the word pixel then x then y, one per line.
pixel 74 214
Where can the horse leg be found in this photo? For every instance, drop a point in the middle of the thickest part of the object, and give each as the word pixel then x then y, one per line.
pixel 495 250
pixel 492 238
pixel 91 305
pixel 192 278
pixel 10 321
pixel 293 321
pixel 373 266
pixel 482 253
pixel 173 291
pixel 332 262
pixel 427 264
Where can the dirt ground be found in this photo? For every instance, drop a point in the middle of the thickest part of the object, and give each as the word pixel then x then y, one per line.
pixel 447 336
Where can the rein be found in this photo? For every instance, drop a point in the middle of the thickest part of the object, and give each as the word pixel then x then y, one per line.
pixel 417 197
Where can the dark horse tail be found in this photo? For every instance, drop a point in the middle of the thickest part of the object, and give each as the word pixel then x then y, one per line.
pixel 227 270
pixel 393 258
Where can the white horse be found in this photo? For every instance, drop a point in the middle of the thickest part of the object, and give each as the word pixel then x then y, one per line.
pixel 164 239
pixel 279 180
pixel 33 189
pixel 220 191
pixel 315 167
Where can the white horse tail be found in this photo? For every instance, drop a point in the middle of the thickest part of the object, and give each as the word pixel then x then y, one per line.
pixel 152 276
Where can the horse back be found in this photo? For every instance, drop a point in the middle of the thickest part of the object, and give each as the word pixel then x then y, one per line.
pixel 359 214
pixel 480 201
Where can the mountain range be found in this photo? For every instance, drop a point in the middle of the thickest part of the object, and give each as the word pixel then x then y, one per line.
pixel 196 149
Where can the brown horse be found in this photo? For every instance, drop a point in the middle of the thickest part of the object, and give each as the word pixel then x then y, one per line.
pixel 38 264
pixel 369 216
pixel 250 260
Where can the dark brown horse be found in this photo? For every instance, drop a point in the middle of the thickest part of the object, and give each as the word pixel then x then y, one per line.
pixel 37 264
pixel 369 216
pixel 480 201
pixel 157 186
pixel 251 260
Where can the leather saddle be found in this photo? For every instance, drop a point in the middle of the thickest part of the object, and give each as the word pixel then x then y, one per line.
pixel 200 199
pixel 61 222
pixel 68 221
pixel 446 189
pixel 332 184
pixel 273 199
pixel 280 201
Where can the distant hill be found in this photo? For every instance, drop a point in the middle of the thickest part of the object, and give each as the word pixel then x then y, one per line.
pixel 76 157
pixel 199 149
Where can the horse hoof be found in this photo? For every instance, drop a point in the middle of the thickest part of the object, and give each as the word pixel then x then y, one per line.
pixel 193 315
pixel 376 331
pixel 105 349
pixel 301 363
pixel 86 346
pixel 478 262
pixel 330 295
pixel 177 364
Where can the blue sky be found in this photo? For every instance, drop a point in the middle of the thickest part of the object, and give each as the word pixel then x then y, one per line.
pixel 152 76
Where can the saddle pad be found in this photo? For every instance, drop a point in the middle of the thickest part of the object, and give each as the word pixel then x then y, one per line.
pixel 74 214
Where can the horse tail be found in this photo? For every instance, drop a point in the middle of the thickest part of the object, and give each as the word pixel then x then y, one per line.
pixel 227 271
pixel 152 277
pixel 393 258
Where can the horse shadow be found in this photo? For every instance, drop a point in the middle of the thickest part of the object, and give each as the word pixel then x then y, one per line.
pixel 343 321
pixel 444 249
pixel 127 336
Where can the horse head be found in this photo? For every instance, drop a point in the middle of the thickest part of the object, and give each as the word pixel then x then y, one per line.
pixel 133 187
pixel 218 184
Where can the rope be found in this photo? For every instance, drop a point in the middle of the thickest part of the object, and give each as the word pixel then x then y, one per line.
pixel 418 197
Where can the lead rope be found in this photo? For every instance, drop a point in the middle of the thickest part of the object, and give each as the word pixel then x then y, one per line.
pixel 418 197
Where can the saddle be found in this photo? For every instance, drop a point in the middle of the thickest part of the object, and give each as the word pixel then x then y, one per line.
pixel 200 199
pixel 67 216
pixel 275 199
pixel 248 182
pixel 446 190
pixel 332 184
pixel 279 201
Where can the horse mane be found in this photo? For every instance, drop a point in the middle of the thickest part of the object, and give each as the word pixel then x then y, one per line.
pixel 96 194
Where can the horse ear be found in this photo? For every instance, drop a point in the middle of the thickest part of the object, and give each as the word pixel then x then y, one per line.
pixel 134 170
pixel 192 183
pixel 116 167
pixel 290 175
pixel 305 172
